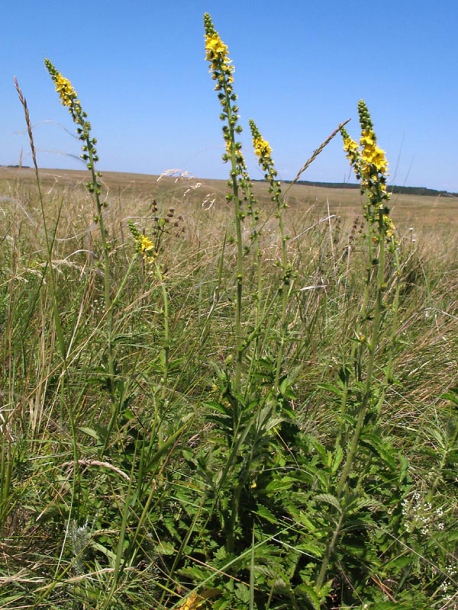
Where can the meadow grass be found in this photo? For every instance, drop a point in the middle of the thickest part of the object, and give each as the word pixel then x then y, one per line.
pixel 226 402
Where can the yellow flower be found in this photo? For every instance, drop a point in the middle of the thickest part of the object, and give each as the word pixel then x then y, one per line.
pixel 367 138
pixel 146 245
pixel 389 226
pixel 372 155
pixel 352 151
pixel 193 602
pixel 376 157
pixel 261 147
pixel 65 90
pixel 196 600
pixel 350 145
pixel 215 48
pixel 218 55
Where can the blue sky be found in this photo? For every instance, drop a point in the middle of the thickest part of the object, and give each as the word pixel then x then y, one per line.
pixel 140 73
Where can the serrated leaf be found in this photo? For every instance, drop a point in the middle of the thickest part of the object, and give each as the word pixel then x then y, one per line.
pixel 337 459
pixel 304 520
pixel 165 548
pixel 329 499
pixel 213 404
pixel 311 548
pixel 90 432
pixel 306 591
pixel 331 388
pixel 280 484
pixel 380 448
pixel 265 513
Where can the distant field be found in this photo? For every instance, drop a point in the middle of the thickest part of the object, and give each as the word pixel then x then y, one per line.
pixel 420 212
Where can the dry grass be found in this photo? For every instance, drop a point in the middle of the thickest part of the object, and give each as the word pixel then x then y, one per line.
pixel 419 212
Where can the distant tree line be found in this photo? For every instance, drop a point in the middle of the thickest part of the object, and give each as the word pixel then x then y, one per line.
pixel 17 166
pixel 401 190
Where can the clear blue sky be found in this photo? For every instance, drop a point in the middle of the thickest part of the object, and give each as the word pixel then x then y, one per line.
pixel 301 67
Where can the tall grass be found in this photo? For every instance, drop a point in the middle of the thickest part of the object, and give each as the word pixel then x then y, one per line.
pixel 224 405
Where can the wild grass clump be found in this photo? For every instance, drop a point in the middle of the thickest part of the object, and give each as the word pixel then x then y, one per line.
pixel 224 404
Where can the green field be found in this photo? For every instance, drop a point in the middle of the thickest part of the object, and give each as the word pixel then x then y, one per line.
pixel 138 472
pixel 226 395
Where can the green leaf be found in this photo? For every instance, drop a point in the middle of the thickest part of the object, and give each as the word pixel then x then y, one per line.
pixel 165 548
pixel 280 484
pixel 265 513
pixel 304 520
pixel 329 499
pixel 383 449
pixel 308 593
pixel 286 390
pixel 103 549
pixel 311 548
pixel 214 404
pixel 331 388
pixel 165 447
pixel 337 459
pixel 452 396
pixel 90 432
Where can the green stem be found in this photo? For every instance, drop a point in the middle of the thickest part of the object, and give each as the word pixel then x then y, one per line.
pixel 374 233
pixel 166 348
pixel 49 242
pixel 329 551
pixel 106 261
pixel 235 172
pixel 376 323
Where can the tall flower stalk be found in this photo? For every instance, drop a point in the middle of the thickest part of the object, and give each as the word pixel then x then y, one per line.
pixel 371 168
pixel 69 99
pixel 222 71
pixel 49 241
pixel 263 151
pixel 145 248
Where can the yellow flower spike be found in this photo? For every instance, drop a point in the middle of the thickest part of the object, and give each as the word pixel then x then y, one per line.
pixel 350 145
pixel 69 99
pixel 215 48
pixel 217 53
pixel 261 147
pixel 146 247
pixel 371 168
pixel 367 138
pixel 196 600
pixel 65 90
pixel 389 226
pixel 146 244
pixel 193 602
pixel 373 158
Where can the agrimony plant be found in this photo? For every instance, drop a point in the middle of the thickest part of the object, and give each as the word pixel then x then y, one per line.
pixel 263 151
pixel 69 99
pixel 360 387
pixel 222 70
